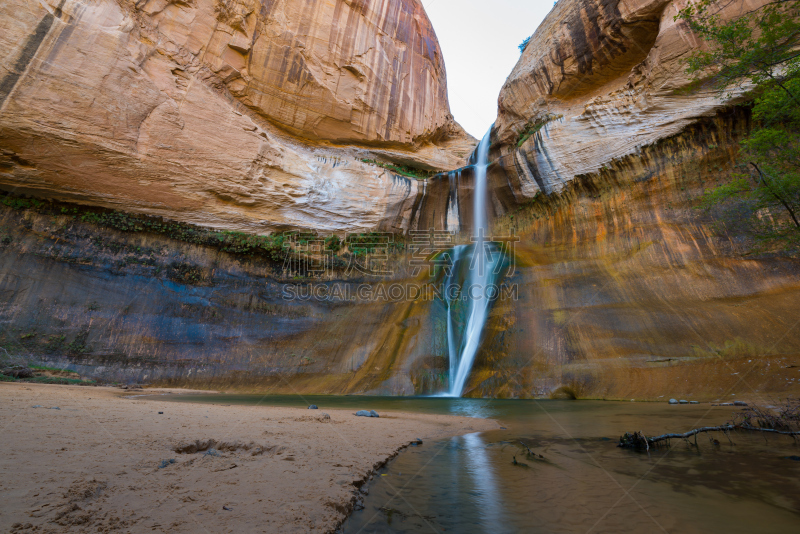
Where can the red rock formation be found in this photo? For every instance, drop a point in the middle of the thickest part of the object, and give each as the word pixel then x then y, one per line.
pixel 599 80
pixel 236 114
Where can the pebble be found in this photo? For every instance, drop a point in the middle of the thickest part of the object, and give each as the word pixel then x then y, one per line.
pixel 365 413
pixel 313 407
pixel 673 401
pixel 694 402
pixel 683 401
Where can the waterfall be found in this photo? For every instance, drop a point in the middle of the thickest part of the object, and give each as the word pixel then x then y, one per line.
pixel 479 277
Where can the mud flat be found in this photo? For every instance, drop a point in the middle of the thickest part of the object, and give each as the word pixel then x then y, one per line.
pixel 96 459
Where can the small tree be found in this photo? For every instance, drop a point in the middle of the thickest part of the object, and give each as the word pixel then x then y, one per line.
pixel 759 48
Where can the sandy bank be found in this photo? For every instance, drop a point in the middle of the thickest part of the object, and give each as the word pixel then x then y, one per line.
pixel 93 464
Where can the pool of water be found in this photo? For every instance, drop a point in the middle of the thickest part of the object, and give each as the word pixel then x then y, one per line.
pixel 584 483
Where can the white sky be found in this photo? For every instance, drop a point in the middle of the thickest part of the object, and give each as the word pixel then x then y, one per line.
pixel 479 40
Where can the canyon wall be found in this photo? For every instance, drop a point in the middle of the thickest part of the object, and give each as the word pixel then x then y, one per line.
pixel 598 81
pixel 600 155
pixel 628 291
pixel 598 159
pixel 237 114
pixel 139 307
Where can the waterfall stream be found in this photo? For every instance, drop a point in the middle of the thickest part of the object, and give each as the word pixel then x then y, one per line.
pixel 481 275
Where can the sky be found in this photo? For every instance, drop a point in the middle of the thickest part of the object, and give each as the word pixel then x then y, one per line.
pixel 479 40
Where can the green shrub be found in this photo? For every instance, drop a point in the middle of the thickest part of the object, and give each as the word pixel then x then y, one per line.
pixel 333 243
pixel 78 345
pixel 533 127
pixel 403 170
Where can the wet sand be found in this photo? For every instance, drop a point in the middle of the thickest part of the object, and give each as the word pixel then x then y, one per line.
pixel 93 465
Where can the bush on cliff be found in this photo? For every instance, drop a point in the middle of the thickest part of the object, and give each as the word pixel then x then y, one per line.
pixel 759 48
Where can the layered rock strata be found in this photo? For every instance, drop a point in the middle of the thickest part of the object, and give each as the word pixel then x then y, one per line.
pixel 599 80
pixel 237 114
pixel 600 155
pixel 627 290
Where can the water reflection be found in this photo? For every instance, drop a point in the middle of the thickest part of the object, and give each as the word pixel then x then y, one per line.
pixel 486 494
pixel 585 483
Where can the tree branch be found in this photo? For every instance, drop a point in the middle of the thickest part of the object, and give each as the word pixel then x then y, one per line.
pixel 777 196
pixel 637 440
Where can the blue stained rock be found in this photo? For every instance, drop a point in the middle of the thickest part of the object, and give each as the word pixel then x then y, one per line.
pixel 165 463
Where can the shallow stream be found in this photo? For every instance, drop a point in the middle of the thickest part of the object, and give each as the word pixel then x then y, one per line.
pixel 469 484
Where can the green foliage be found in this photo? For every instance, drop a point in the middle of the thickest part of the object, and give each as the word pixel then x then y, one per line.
pixel 273 248
pixel 524 45
pixel 723 193
pixel 333 243
pixel 533 127
pixel 754 47
pixel 371 243
pixel 760 48
pixel 54 344
pixel 185 273
pixel 403 170
pixel 59 380
pixel 78 345
pixel 45 368
pixel 18 203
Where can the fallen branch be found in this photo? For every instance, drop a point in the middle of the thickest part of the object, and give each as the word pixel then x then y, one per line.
pixel 531 454
pixel 637 440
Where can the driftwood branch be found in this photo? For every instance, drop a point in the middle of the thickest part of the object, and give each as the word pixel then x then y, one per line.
pixel 531 454
pixel 637 440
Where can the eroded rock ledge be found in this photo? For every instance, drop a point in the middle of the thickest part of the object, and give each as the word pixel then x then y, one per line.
pixel 598 81
pixel 238 114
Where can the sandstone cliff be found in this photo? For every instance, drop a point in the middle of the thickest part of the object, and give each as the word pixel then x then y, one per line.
pixel 625 290
pixel 238 114
pixel 599 158
pixel 599 80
